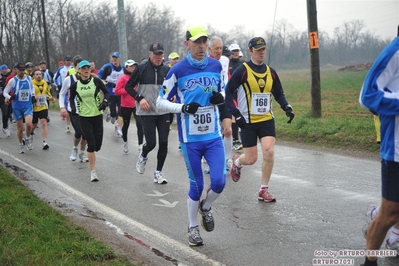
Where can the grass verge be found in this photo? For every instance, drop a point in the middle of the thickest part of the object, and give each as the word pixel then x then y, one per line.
pixel 344 125
pixel 32 233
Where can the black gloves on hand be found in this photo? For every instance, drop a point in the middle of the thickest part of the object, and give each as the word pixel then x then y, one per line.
pixel 58 88
pixel 103 105
pixel 216 98
pixel 33 100
pixel 12 98
pixel 289 113
pixel 190 108
pixel 240 121
pixel 111 84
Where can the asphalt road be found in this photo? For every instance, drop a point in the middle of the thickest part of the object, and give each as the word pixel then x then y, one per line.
pixel 321 200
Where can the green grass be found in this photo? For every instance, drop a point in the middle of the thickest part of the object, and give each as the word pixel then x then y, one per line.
pixel 32 233
pixel 343 125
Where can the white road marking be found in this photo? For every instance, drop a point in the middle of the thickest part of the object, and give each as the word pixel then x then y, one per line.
pixel 133 227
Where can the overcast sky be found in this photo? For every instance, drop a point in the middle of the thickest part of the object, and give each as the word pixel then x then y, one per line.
pixel 380 17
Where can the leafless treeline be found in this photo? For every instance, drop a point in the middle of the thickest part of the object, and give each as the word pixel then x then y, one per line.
pixel 90 30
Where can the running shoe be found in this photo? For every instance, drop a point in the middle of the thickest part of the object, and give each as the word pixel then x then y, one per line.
pixel 235 171
pixel 21 148
pixel 237 146
pixel 194 238
pixel 6 131
pixel 119 133
pixel 29 142
pixel 140 165
pixel 83 158
pixel 207 221
pixel 159 178
pixel 107 117
pixel 369 211
pixel 125 147
pixel 68 129
pixel 229 164
pixel 393 246
pixel 265 196
pixel 74 154
pixel 93 176
pixel 113 119
pixel 45 146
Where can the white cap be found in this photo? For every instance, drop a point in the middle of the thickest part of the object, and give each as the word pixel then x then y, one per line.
pixel 234 46
pixel 130 62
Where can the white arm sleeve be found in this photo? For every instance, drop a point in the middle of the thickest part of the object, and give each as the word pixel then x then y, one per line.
pixel 164 105
pixel 7 89
pixel 65 86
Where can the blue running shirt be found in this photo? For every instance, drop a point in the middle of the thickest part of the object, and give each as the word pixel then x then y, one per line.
pixel 192 84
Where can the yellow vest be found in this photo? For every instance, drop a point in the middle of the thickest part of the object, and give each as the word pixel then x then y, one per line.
pixel 257 84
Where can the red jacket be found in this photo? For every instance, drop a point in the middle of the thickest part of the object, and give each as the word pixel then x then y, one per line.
pixel 127 101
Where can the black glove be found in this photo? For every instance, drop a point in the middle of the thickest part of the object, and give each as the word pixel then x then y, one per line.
pixel 33 100
pixel 103 105
pixel 59 88
pixel 12 98
pixel 289 113
pixel 190 108
pixel 240 121
pixel 111 84
pixel 217 98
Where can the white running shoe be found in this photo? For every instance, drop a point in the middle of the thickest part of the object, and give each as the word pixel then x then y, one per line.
pixel 119 133
pixel 393 246
pixel 229 164
pixel 93 176
pixel 107 117
pixel 74 154
pixel 159 178
pixel 45 146
pixel 29 142
pixel 125 147
pixel 6 131
pixel 21 148
pixel 83 158
pixel 140 165
pixel 140 148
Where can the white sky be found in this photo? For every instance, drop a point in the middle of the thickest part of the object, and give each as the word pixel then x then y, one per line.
pixel 380 17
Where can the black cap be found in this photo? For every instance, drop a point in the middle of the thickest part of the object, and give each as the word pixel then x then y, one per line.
pixel 20 66
pixel 226 51
pixel 68 57
pixel 257 43
pixel 156 48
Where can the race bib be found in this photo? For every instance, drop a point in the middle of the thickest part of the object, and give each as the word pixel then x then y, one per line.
pixel 203 121
pixel 41 101
pixel 260 103
pixel 23 96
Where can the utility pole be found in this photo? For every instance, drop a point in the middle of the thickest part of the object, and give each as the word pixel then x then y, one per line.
pixel 315 92
pixel 45 35
pixel 122 31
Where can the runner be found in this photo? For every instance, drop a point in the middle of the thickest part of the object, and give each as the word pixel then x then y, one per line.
pixel 40 107
pixel 19 90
